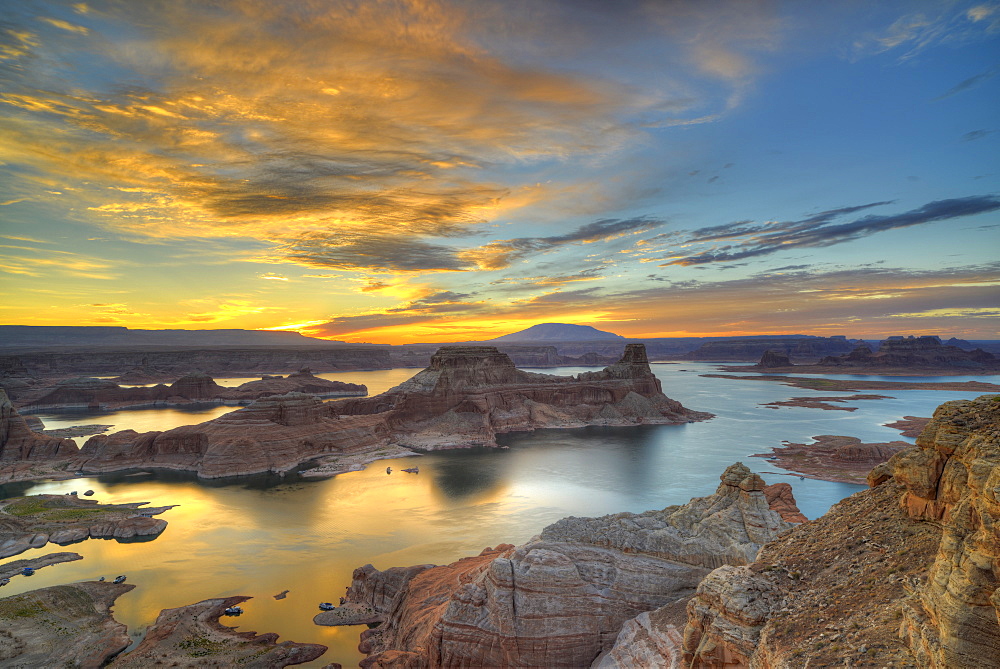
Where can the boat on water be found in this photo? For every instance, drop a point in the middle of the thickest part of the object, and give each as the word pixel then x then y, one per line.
pixel 119 579
pixel 326 606
pixel 27 571
pixel 233 611
pixel 4 581
pixel 412 470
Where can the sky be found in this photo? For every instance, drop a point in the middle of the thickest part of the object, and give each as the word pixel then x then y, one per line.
pixel 427 171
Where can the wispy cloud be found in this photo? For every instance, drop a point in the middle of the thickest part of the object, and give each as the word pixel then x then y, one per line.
pixel 749 240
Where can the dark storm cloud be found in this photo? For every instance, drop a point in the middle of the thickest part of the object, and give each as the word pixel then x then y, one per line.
pixel 358 250
pixel 976 134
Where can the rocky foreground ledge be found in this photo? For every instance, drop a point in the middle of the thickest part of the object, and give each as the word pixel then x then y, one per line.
pixel 903 574
pixel 72 626
pixel 561 599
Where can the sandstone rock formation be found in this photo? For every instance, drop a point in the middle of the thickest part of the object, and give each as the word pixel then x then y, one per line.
pixel 914 353
pixel 14 567
pixel 952 477
pixel 904 574
pixel 469 394
pixel 19 443
pixel 774 359
pixel 466 397
pixel 193 387
pixel 191 636
pixel 62 626
pixel 31 522
pixel 780 499
pixel 833 457
pixel 560 599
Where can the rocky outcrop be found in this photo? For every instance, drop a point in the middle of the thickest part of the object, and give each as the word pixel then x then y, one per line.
pixel 773 358
pixel 560 599
pixel 466 397
pixel 62 626
pixel 191 636
pixel 193 387
pixel 469 394
pixel 19 443
pixel 952 477
pixel 833 457
pixel 903 574
pixel 32 522
pixel 914 353
pixel 273 434
pixel 14 567
pixel 780 499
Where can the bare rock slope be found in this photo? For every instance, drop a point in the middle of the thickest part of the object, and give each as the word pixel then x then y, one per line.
pixel 560 599
pixel 62 626
pixel 904 574
pixel 19 443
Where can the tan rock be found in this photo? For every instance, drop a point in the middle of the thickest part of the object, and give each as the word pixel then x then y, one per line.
pixel 561 599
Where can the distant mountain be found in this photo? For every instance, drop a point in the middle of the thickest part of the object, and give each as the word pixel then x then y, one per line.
pixel 558 332
pixel 43 335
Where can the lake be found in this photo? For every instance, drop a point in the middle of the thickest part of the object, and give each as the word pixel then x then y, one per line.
pixel 259 536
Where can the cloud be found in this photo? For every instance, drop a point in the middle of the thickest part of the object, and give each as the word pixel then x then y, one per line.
pixel 913 33
pixel 502 253
pixel 976 134
pixel 297 123
pixel 754 240
pixel 971 82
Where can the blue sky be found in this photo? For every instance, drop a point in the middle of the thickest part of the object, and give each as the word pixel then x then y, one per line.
pixel 422 170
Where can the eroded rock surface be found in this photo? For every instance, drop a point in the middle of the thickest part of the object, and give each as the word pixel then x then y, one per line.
pixel 466 397
pixel 952 477
pixel 469 394
pixel 561 599
pixel 903 574
pixel 18 442
pixel 191 636
pixel 62 626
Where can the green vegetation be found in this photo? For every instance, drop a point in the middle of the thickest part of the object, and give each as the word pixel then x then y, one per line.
pixel 21 607
pixel 200 646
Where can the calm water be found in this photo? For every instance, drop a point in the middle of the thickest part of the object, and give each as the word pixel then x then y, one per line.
pixel 263 535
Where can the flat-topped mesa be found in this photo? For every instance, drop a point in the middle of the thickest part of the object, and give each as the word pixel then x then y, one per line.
pixel 470 394
pixel 917 352
pixel 466 397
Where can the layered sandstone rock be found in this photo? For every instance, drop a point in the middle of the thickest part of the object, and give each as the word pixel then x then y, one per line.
pixel 18 442
pixel 465 398
pixel 62 626
pixel 916 353
pixel 273 434
pixel 774 359
pixel 193 387
pixel 191 636
pixel 560 599
pixel 469 394
pixel 834 457
pixel 952 477
pixel 904 574
pixel 32 522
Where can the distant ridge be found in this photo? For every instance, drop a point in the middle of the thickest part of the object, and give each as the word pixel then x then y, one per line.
pixel 45 335
pixel 558 332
